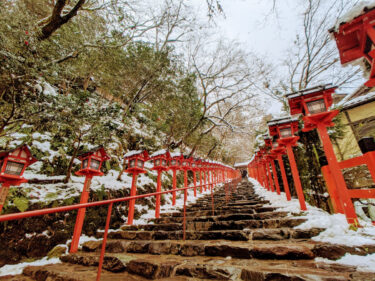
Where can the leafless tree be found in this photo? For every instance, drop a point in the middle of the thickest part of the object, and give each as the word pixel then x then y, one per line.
pixel 314 58
pixel 224 80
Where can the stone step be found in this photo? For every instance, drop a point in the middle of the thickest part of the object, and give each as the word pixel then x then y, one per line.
pixel 77 272
pixel 234 217
pixel 235 249
pixel 239 235
pixel 221 212
pixel 219 225
pixel 217 268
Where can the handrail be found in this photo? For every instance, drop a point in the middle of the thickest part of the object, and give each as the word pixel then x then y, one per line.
pixel 110 202
pixel 46 211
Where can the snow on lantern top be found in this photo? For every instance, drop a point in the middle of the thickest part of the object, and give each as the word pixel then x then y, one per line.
pixel 13 164
pixel 160 159
pixel 284 127
pixel 186 162
pixel 92 162
pixel 355 36
pixel 267 140
pixel 199 163
pixel 135 161
pixel 311 101
pixel 175 161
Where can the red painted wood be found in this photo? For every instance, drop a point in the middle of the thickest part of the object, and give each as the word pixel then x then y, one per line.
pixel 80 215
pixel 296 179
pixel 133 192
pixel 334 166
pixel 276 180
pixel 283 175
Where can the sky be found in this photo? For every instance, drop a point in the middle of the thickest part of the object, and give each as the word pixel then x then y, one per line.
pixel 265 31
pixel 260 29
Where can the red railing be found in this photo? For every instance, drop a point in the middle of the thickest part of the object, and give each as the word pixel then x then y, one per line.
pixel 110 203
pixel 367 159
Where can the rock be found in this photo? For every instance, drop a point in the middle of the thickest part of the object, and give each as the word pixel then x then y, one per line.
pixel 113 264
pixel 190 250
pixel 335 251
pixel 250 275
pixel 305 234
pixel 203 272
pixel 151 270
pixel 116 246
pixel 226 250
pixel 138 247
pixel 270 234
pixel 57 252
pixel 291 252
pixel 160 248
pixel 91 246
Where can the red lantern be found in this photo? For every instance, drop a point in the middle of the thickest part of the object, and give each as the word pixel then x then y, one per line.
pixel 13 164
pixel 160 159
pixel 92 162
pixel 314 104
pixel 355 39
pixel 186 163
pixel 307 103
pixel 175 161
pixel 135 161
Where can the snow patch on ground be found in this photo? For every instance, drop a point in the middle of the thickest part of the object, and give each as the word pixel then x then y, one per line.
pixel 363 263
pixel 337 229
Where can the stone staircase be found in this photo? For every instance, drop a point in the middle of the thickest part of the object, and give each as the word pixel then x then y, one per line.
pixel 242 240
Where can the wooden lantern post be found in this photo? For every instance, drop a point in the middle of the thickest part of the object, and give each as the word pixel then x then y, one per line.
pixel 175 165
pixel 135 163
pixel 278 151
pixel 285 129
pixel 91 163
pixel 271 158
pixel 314 104
pixel 160 159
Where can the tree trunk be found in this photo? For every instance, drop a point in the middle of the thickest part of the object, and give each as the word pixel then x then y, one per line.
pixel 56 20
pixel 69 171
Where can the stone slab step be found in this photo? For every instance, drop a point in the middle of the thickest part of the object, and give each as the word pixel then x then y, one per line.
pixel 219 225
pixel 235 249
pixel 217 268
pixel 234 217
pixel 239 235
pixel 76 272
pixel 221 212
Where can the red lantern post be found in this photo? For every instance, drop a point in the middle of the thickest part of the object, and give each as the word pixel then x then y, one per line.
pixel 194 168
pixel 186 166
pixel 160 159
pixel 314 104
pixel 13 164
pixel 285 128
pixel 200 170
pixel 91 163
pixel 135 162
pixel 271 158
pixel 175 165
pixel 278 151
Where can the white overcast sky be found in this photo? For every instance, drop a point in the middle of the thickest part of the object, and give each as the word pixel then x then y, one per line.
pixel 259 29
